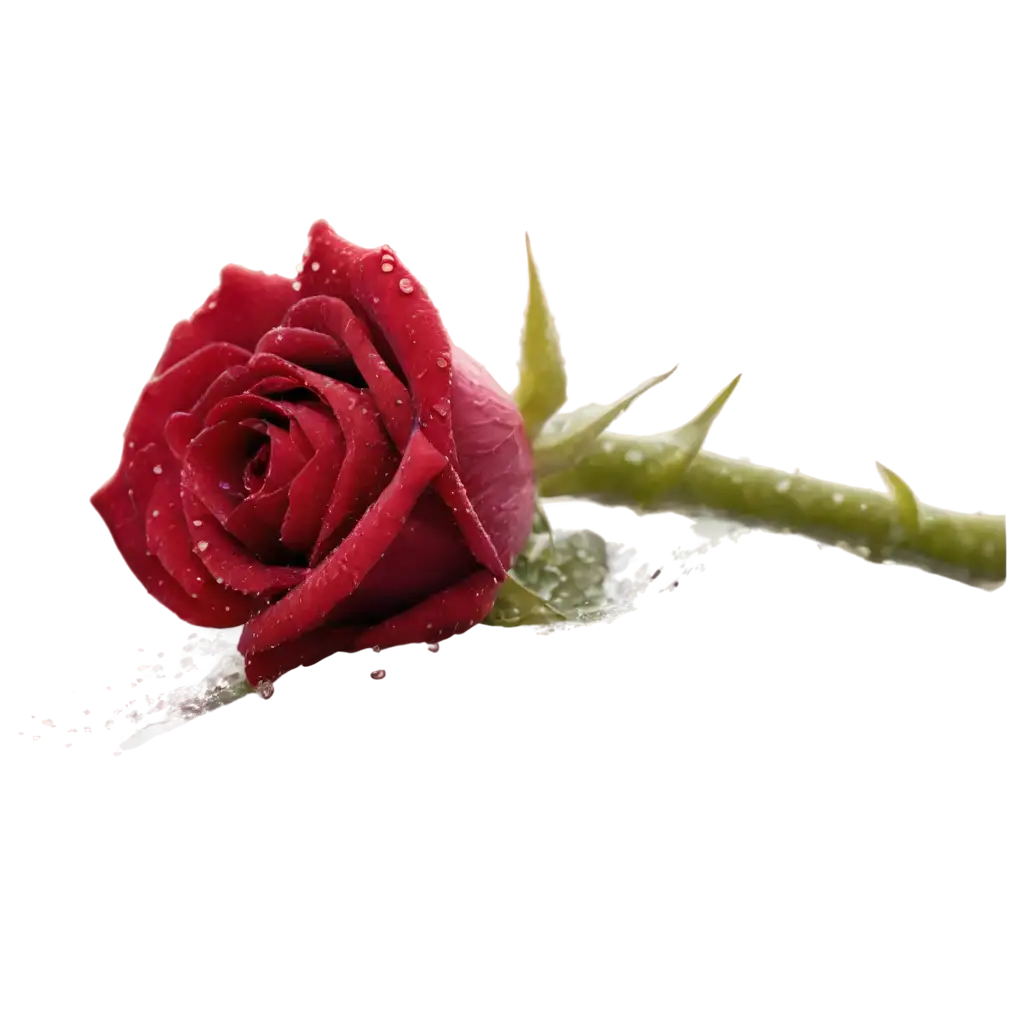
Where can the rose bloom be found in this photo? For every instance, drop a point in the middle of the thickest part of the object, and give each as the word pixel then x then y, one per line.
pixel 314 459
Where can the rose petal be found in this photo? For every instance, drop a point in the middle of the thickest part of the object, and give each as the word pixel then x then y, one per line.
pixel 280 386
pixel 311 349
pixel 412 327
pixel 214 471
pixel 168 538
pixel 428 555
pixel 182 427
pixel 178 389
pixel 310 492
pixel 124 512
pixel 289 452
pixel 408 321
pixel 228 561
pixel 245 306
pixel 214 463
pixel 309 605
pixel 125 518
pixel 314 421
pixel 497 466
pixel 256 522
pixel 247 406
pixel 369 461
pixel 390 394
pixel 443 614
pixel 264 666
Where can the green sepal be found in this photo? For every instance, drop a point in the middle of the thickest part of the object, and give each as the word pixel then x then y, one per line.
pixel 541 390
pixel 518 605
pixel 567 437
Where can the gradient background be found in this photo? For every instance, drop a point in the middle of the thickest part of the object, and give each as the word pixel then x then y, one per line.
pixel 788 790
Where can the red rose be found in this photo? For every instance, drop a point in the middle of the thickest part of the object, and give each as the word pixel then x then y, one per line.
pixel 315 459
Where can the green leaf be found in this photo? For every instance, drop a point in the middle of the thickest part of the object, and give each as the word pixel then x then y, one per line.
pixel 568 437
pixel 542 382
pixel 689 438
pixel 558 577
pixel 518 605
pixel 903 496
pixel 541 523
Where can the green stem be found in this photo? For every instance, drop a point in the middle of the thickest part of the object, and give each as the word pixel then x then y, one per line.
pixel 648 475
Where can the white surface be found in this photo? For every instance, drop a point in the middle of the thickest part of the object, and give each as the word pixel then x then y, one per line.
pixel 844 600
pixel 576 739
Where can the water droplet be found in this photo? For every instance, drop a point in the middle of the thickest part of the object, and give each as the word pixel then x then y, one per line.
pixel 212 304
pixel 267 691
pixel 314 266
pixel 296 286
pixel 634 456
pixel 398 401
pixel 387 249
pixel 441 362
pixel 224 485
pixel 838 498
pixel 433 648
pixel 863 506
pixel 158 470
pixel 202 545
pixel 197 522
pixel 156 512
pixel 376 649
pixel 440 410
pixel 378 673
pixel 387 267
pixel 406 285
pixel 783 485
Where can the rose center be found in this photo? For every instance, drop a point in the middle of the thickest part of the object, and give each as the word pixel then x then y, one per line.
pixel 254 474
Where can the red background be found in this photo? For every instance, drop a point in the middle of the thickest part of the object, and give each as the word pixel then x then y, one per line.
pixel 138 151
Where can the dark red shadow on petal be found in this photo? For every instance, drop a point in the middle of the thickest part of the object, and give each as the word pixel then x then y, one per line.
pixel 229 562
pixel 443 614
pixel 256 523
pixel 313 350
pixel 369 461
pixel 182 427
pixel 389 392
pixel 427 556
pixel 289 451
pixel 214 465
pixel 247 406
pixel 310 492
pixel 309 605
pixel 309 649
